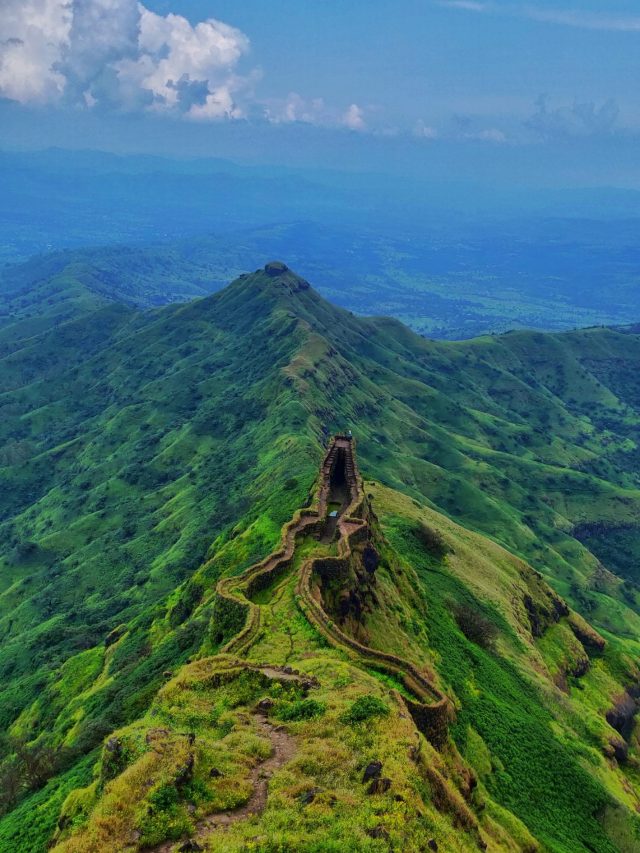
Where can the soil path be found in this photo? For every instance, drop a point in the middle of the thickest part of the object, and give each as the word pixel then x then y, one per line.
pixel 283 747
pixel 283 750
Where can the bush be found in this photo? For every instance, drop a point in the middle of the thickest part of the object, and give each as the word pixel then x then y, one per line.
pixel 431 540
pixel 164 797
pixel 475 626
pixel 300 709
pixel 364 708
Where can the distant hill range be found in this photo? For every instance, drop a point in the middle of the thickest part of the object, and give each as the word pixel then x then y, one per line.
pixel 451 261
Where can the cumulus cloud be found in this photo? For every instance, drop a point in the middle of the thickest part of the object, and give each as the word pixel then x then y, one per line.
pixel 31 37
pixel 576 120
pixel 118 53
pixel 353 118
pixel 295 108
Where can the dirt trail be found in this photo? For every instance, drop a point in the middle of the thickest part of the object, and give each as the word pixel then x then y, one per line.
pixel 283 749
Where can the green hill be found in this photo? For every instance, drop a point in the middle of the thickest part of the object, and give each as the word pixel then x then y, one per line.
pixel 147 454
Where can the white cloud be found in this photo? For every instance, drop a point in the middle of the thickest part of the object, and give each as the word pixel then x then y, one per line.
pixel 424 131
pixel 489 134
pixel 585 20
pixel 32 34
pixel 295 108
pixel 117 53
pixel 466 5
pixel 353 118
pixel 569 17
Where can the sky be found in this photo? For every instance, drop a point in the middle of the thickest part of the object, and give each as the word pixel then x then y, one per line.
pixel 544 92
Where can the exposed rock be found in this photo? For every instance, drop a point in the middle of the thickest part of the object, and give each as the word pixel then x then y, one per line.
pixel 155 737
pixel 265 704
pixel 544 608
pixel 379 786
pixel 190 846
pixel 432 844
pixel 370 559
pixel 588 636
pixel 372 771
pixel 618 749
pixel 307 797
pixel 113 745
pixel 580 668
pixel 112 758
pixel 113 636
pixel 621 716
pixel 185 773
pixel 378 832
pixel 214 773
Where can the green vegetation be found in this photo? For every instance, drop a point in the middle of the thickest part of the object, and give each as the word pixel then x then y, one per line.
pixel 363 709
pixel 299 709
pixel 145 455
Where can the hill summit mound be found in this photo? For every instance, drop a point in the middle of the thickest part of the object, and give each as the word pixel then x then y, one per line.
pixel 282 275
pixel 274 268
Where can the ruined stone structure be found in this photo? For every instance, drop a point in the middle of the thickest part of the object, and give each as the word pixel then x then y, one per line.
pixel 339 483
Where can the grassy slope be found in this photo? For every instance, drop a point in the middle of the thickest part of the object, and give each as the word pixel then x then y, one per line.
pixel 537 753
pixel 131 443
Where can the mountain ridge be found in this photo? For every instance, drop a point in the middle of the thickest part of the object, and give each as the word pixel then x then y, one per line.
pixel 147 454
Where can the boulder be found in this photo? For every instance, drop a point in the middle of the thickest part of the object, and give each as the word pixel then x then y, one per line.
pixel 185 773
pixel 307 797
pixel 378 832
pixel 372 771
pixel 379 786
pixel 190 846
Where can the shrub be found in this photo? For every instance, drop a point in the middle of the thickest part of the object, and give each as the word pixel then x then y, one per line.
pixel 164 797
pixel 300 709
pixel 431 540
pixel 475 626
pixel 364 708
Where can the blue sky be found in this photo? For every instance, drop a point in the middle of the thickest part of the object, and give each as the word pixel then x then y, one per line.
pixel 540 91
pixel 425 60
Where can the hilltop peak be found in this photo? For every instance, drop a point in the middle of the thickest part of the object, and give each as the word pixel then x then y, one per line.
pixel 282 275
pixel 275 268
pixel 275 276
